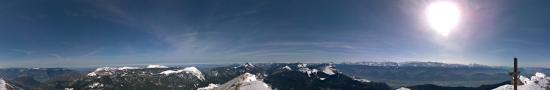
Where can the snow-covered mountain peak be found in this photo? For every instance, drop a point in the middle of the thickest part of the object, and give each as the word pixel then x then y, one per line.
pixel 156 66
pixel 329 69
pixel 248 65
pixel 245 81
pixel 102 71
pixel 191 70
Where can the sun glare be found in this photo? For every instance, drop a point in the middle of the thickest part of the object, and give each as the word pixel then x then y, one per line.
pixel 443 16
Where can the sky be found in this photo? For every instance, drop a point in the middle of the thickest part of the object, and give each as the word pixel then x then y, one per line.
pixel 73 33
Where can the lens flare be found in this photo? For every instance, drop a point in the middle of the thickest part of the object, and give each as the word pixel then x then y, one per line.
pixel 443 16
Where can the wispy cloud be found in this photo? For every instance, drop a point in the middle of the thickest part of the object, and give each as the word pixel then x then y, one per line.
pixel 93 52
pixel 26 52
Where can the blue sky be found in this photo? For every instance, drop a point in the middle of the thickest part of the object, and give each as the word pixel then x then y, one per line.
pixel 69 33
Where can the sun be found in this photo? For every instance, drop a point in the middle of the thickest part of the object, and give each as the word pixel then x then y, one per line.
pixel 443 16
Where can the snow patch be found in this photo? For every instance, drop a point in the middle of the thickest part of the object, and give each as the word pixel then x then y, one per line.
pixel 538 74
pixel 287 68
pixel 362 80
pixel 403 88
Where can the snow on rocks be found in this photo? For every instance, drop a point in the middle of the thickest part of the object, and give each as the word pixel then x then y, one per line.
pixel 209 87
pixel 303 68
pixel 156 66
pixel 96 85
pixel 537 82
pixel 191 70
pixel 249 77
pixel 302 65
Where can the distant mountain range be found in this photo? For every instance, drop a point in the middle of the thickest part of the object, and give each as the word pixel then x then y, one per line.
pixel 261 76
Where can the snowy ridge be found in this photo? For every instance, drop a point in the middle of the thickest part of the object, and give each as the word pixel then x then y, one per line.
pixel 156 66
pixel 128 68
pixel 192 70
pixel 105 71
pixel 7 86
pixel 537 82
pixel 245 81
